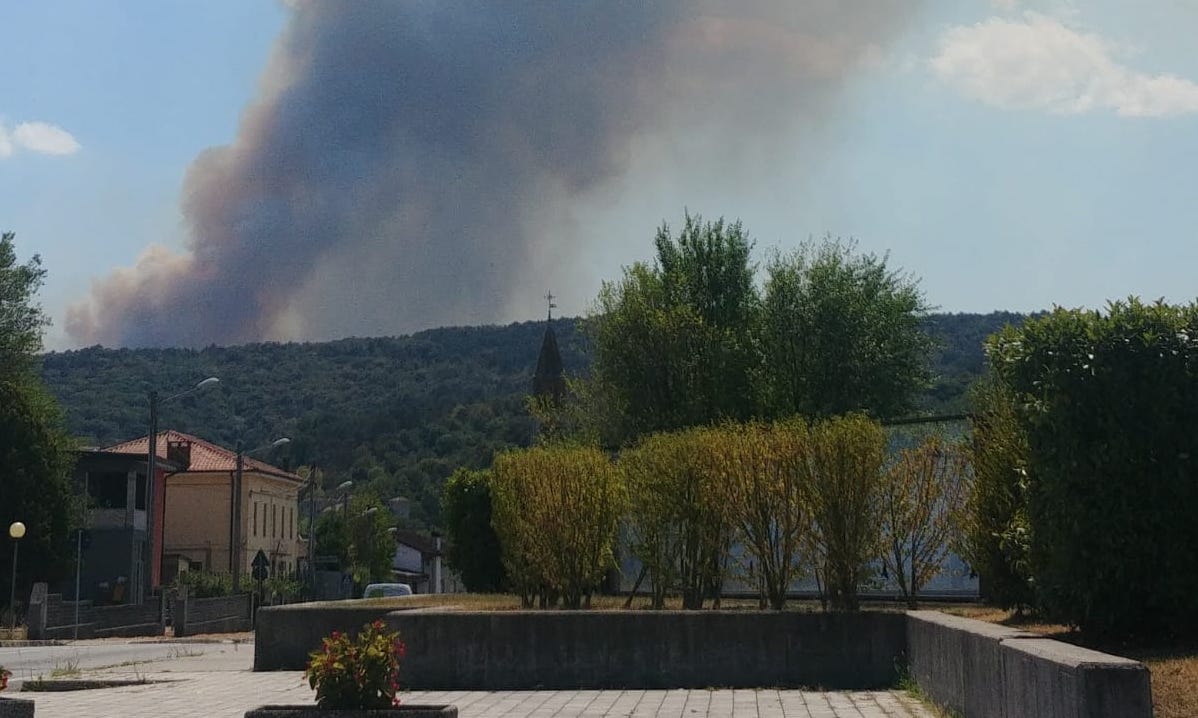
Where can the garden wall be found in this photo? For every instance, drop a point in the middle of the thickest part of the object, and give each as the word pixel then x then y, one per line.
pixel 507 650
pixel 981 670
pixel 227 614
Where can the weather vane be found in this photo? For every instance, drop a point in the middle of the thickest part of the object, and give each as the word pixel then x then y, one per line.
pixel 549 298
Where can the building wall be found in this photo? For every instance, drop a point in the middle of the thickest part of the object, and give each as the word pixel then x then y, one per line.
pixel 196 522
pixel 271 516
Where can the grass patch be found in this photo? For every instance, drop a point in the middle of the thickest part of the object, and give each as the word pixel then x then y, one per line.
pixel 1173 665
pixel 67 669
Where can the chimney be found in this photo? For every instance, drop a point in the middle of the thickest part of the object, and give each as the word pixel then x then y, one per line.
pixel 179 452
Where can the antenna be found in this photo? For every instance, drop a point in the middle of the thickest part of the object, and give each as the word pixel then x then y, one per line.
pixel 549 298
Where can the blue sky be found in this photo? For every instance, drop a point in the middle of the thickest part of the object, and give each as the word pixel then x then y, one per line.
pixel 1014 155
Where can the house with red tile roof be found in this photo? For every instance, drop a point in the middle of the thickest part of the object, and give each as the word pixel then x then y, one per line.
pixel 207 524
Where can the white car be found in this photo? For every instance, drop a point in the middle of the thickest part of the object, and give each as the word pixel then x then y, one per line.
pixel 387 590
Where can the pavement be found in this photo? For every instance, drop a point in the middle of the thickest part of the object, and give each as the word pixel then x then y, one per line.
pixel 214 679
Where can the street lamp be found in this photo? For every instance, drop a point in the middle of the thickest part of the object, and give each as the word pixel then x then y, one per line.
pixel 15 531
pixel 151 470
pixel 235 509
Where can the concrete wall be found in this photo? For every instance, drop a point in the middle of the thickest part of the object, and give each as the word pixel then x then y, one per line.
pixel 981 670
pixel 284 635
pixel 505 650
pixel 98 621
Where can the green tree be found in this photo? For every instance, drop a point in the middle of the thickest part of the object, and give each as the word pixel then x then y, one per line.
pixel 36 453
pixel 36 456
pixel 841 332
pixel 473 546
pixel 674 341
pixel 21 319
pixel 360 537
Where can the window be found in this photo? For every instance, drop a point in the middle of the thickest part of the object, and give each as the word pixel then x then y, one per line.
pixel 291 522
pixel 255 518
pixel 109 489
pixel 273 522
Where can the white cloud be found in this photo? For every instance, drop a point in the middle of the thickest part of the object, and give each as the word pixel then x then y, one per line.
pixel 1037 62
pixel 40 137
pixel 1007 5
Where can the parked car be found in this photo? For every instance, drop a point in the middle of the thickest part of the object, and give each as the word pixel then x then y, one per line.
pixel 387 590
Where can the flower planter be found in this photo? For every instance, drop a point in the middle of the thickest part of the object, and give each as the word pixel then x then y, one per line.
pixel 20 708
pixel 403 711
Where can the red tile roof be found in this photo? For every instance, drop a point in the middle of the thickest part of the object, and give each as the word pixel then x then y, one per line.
pixel 205 456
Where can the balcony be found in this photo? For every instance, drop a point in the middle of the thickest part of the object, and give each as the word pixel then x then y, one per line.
pixel 116 519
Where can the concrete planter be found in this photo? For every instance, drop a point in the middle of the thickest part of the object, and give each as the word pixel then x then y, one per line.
pixel 403 711
pixel 16 708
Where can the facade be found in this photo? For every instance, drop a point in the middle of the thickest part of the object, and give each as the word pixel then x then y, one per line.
pixel 115 560
pixel 200 501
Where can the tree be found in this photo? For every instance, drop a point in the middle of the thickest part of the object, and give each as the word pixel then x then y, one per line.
pixel 673 341
pixel 923 496
pixel 841 333
pixel 21 320
pixel 36 456
pixel 843 474
pixel 473 546
pixel 36 453
pixel 360 537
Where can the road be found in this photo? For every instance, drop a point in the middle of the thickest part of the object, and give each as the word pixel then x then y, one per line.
pixel 66 661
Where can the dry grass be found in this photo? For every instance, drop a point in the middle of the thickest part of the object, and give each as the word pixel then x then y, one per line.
pixel 1173 666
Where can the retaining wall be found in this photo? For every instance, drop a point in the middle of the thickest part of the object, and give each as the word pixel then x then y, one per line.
pixel 981 670
pixel 508 650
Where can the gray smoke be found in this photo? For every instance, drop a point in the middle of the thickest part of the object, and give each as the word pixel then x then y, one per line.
pixel 397 169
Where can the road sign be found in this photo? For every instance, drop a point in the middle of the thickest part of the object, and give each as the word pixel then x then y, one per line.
pixel 261 566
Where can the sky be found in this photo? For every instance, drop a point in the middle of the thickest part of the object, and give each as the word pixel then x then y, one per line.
pixel 1011 154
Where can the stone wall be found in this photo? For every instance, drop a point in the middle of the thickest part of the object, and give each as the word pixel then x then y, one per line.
pixel 981 670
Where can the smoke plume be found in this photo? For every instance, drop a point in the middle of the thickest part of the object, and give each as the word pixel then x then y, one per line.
pixel 397 167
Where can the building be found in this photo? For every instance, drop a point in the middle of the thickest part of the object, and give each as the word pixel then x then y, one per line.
pixel 114 562
pixel 200 503
pixel 419 563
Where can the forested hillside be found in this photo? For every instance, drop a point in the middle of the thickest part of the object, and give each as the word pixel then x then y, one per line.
pixel 397 414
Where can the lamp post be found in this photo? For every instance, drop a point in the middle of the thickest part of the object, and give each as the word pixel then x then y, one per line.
pixel 15 531
pixel 235 509
pixel 146 585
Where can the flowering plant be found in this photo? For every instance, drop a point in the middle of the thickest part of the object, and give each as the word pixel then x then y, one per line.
pixel 4 674
pixel 357 673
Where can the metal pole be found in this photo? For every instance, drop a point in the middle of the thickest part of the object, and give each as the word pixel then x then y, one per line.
pixel 12 594
pixel 151 470
pixel 78 562
pixel 312 534
pixel 235 549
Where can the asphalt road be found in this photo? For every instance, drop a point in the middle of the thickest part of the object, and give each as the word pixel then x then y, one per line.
pixel 67 660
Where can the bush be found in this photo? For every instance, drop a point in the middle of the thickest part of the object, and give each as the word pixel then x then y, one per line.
pixel 844 476
pixel 556 510
pixel 996 536
pixel 1109 405
pixel 680 518
pixel 359 674
pixel 205 584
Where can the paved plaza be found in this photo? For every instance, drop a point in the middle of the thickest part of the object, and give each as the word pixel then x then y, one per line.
pixel 219 684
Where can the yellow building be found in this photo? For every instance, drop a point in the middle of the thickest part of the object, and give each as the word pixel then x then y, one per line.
pixel 200 503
